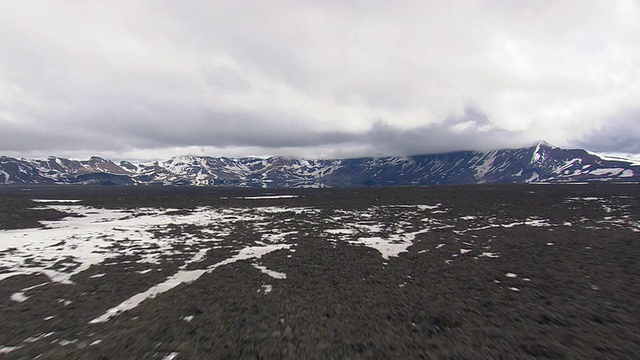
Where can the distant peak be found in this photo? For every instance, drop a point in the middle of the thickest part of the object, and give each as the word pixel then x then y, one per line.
pixel 544 143
pixel 539 153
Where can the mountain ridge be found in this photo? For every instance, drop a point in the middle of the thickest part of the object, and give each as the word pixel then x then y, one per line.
pixel 539 163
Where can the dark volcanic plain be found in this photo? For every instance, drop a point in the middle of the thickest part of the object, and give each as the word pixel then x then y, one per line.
pixel 489 272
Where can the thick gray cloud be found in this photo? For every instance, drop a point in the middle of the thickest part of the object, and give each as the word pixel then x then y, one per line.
pixel 621 135
pixel 321 78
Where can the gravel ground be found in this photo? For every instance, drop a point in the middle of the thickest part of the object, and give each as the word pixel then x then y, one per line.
pixel 444 272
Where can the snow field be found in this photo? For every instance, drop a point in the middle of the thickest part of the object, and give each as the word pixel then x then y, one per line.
pixel 91 236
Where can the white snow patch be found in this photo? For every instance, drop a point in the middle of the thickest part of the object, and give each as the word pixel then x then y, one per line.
pixel 536 222
pixel 481 228
pixel 537 155
pixel 489 255
pixel 631 159
pixel 510 275
pixel 273 274
pixel 268 197
pixel 607 171
pixel 5 177
pixel 514 289
pixel 528 222
pixel 266 288
pixel 67 342
pixel 533 178
pixel 188 318
pixel 391 246
pixel 464 251
pixel 65 302
pixel 568 164
pixel 8 349
pixel 19 297
pixel 429 207
pixel 279 210
pixel 487 166
pixel 627 173
pixel 55 200
pixel 171 356
pixel 587 198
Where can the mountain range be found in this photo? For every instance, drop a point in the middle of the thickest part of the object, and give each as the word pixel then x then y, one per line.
pixel 540 163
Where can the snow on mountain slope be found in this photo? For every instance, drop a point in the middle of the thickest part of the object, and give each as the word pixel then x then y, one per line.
pixel 541 162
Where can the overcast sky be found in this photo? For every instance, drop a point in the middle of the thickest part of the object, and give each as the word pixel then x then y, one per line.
pixel 154 79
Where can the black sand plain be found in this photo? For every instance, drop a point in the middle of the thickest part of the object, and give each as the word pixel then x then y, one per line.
pixel 569 289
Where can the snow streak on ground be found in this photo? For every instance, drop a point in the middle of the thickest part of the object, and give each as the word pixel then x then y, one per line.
pixel 263 197
pixel 186 276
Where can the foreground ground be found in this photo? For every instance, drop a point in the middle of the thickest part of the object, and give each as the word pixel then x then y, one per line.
pixel 464 272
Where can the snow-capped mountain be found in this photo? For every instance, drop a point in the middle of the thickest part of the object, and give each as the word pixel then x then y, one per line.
pixel 539 163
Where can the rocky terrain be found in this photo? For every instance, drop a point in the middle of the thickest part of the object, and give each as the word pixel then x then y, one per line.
pixel 538 163
pixel 446 272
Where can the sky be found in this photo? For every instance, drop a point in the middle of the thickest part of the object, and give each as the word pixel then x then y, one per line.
pixel 317 79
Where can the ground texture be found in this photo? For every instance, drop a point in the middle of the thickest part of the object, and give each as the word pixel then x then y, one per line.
pixel 460 272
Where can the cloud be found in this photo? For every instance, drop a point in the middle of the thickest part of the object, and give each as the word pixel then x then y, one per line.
pixel 621 134
pixel 320 77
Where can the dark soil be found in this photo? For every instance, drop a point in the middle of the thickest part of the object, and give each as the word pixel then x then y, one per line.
pixel 577 297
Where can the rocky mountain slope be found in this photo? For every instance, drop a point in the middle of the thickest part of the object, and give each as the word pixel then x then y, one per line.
pixel 542 163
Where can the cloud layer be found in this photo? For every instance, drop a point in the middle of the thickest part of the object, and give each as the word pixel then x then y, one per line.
pixel 319 78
